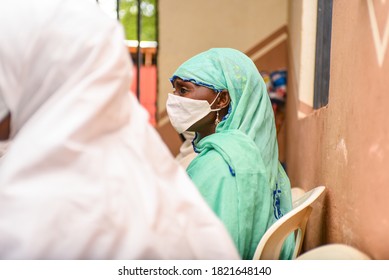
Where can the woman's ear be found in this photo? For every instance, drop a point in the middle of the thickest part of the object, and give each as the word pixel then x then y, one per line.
pixel 224 99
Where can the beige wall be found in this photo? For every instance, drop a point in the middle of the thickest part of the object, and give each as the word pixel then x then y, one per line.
pixel 189 27
pixel 345 146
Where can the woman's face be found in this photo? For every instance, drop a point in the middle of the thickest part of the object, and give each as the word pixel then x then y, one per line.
pixel 192 91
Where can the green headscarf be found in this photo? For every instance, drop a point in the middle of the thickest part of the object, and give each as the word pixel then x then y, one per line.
pixel 237 169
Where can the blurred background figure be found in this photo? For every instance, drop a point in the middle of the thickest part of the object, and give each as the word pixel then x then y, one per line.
pixel 86 176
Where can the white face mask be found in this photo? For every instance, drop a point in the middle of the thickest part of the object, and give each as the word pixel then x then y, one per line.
pixel 184 112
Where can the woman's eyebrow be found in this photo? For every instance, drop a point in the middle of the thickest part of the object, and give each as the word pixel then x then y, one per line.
pixel 182 83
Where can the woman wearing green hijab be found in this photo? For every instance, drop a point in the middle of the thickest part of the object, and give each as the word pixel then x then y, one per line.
pixel 220 95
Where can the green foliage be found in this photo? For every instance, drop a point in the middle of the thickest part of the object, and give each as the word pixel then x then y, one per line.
pixel 128 17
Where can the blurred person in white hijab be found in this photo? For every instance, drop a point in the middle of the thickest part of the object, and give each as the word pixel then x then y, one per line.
pixel 86 176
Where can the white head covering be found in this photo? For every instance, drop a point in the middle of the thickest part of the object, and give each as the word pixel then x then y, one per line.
pixel 86 177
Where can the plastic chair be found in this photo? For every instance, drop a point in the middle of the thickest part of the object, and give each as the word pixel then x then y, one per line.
pixel 334 252
pixel 295 221
pixel 296 194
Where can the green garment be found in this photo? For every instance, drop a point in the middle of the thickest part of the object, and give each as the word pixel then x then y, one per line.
pixel 237 168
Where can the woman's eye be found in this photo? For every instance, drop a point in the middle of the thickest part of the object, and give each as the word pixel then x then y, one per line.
pixel 181 90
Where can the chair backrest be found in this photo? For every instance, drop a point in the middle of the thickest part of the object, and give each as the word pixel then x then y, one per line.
pixel 270 245
pixel 334 252
pixel 296 194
